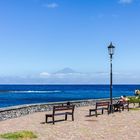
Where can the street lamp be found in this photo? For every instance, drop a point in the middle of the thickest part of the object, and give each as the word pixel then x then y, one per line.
pixel 111 49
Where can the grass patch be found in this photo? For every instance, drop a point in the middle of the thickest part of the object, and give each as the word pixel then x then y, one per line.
pixel 135 109
pixel 21 135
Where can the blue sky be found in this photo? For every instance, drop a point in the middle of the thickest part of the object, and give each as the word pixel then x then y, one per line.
pixel 40 37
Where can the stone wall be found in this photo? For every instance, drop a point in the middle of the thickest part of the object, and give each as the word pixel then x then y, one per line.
pixel 18 111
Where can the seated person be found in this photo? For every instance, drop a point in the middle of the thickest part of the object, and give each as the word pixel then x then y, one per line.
pixel 124 98
pixel 121 103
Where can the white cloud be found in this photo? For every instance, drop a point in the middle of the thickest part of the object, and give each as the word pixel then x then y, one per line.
pixel 61 75
pixel 87 78
pixel 125 1
pixel 45 74
pixel 51 5
pixel 64 77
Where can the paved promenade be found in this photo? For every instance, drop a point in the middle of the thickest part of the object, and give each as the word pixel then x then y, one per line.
pixel 122 126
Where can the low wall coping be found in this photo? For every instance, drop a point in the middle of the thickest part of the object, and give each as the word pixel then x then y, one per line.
pixel 51 103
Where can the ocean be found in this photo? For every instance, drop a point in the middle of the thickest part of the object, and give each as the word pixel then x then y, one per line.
pixel 12 95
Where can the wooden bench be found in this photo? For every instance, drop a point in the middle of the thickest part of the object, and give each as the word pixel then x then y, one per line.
pixel 61 110
pixel 100 106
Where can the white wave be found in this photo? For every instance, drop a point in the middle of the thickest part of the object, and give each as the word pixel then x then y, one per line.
pixel 33 91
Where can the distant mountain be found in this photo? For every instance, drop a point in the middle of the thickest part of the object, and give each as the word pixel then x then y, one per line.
pixel 65 71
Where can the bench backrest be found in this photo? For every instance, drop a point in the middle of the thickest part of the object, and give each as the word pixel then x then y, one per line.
pixel 102 104
pixel 63 108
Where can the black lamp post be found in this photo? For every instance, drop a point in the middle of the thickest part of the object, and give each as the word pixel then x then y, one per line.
pixel 111 49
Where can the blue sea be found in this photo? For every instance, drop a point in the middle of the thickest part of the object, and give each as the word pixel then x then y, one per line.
pixel 11 95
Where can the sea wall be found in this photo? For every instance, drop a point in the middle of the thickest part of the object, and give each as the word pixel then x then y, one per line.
pixel 18 111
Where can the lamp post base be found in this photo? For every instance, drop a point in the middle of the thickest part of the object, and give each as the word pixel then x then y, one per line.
pixel 111 108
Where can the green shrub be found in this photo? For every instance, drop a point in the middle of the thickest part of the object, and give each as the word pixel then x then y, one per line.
pixel 134 99
pixel 19 135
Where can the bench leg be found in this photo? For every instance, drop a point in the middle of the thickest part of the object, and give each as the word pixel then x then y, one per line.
pixel 46 119
pixel 96 113
pixel 53 119
pixel 72 117
pixel 89 112
pixel 66 116
pixel 102 111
